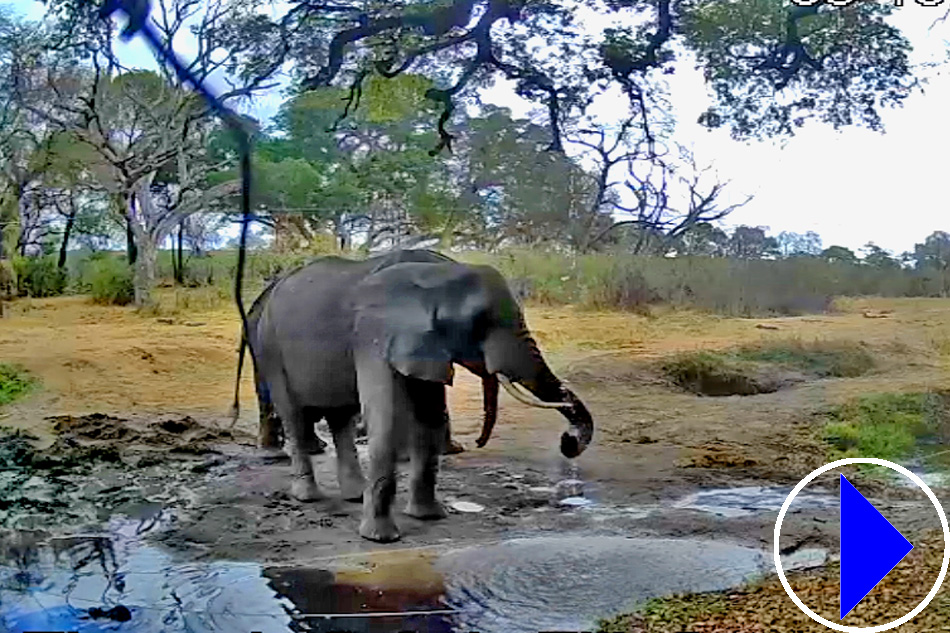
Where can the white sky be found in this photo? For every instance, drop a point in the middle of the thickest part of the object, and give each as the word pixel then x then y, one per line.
pixel 851 187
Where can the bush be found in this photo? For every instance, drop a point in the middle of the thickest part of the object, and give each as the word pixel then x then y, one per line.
pixel 109 281
pixel 39 277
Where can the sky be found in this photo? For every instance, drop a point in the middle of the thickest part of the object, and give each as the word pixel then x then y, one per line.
pixel 851 187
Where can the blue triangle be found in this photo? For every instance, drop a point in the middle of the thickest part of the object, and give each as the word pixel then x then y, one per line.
pixel 870 547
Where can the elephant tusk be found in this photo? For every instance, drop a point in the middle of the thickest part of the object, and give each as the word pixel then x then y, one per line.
pixel 529 399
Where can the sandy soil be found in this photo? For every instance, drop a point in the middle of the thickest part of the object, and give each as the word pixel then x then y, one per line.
pixel 653 443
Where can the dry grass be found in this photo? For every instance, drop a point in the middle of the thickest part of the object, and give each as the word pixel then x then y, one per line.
pixel 180 358
pixel 766 607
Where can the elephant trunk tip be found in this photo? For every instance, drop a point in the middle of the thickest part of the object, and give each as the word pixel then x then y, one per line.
pixel 570 447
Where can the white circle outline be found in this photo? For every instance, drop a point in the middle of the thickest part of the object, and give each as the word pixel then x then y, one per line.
pixel 946 545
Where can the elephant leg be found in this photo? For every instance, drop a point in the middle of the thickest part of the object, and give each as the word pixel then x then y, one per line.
pixel 304 486
pixel 449 446
pixel 427 441
pixel 385 410
pixel 348 472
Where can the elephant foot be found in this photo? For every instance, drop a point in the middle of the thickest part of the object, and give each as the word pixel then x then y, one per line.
pixel 426 511
pixel 304 488
pixel 381 530
pixel 453 448
pixel 351 489
pixel 270 454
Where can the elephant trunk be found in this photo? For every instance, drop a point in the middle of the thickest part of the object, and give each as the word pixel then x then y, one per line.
pixel 549 389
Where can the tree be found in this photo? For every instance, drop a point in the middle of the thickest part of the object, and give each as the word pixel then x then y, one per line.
pixel 751 242
pixel 703 239
pixel 878 257
pixel 934 256
pixel 839 254
pixel 149 131
pixel 840 65
pixel 934 253
pixel 795 244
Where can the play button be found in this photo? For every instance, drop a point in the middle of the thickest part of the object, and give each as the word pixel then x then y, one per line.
pixel 870 546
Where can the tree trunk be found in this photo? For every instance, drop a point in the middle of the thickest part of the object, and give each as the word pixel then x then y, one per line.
pixel 144 275
pixel 180 268
pixel 131 250
pixel 70 220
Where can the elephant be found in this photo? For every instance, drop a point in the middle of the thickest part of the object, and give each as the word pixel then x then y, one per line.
pixel 385 344
pixel 270 428
pixel 270 432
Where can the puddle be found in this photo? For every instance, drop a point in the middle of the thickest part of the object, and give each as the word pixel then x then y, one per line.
pixel 565 583
pixel 520 585
pixel 805 558
pixel 737 502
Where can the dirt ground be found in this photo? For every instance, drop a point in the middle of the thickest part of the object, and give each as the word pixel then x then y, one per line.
pixel 157 387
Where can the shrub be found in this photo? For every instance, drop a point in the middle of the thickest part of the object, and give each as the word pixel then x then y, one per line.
pixel 39 277
pixel 109 281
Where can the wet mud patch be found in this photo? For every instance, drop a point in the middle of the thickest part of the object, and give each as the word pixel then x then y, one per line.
pixel 97 465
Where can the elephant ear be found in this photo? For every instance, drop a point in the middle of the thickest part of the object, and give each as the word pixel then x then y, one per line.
pixel 398 313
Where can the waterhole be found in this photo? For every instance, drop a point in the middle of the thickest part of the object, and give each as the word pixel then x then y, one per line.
pixel 114 581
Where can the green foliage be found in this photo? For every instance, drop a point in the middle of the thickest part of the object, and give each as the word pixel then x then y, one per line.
pixel 886 426
pixel 39 276
pixel 14 383
pixel 109 281
pixel 854 47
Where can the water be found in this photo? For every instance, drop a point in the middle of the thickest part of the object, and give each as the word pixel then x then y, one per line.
pixel 745 501
pixel 529 584
pixel 567 582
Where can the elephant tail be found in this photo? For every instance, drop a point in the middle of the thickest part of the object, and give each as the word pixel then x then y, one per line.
pixel 236 406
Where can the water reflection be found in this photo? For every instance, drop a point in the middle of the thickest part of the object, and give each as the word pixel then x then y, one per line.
pixel 114 581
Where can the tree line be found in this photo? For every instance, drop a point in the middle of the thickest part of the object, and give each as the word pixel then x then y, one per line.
pixel 383 139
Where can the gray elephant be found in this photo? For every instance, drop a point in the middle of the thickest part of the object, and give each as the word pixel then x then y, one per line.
pixel 270 428
pixel 335 339
pixel 270 432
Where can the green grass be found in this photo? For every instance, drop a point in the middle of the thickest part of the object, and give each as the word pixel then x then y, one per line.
pixel 895 427
pixel 14 383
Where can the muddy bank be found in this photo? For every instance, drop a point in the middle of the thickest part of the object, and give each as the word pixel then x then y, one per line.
pixel 99 465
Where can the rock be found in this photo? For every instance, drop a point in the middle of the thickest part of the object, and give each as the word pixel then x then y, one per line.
pixel 466 506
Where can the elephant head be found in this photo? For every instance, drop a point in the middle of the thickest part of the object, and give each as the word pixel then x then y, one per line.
pixel 422 318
